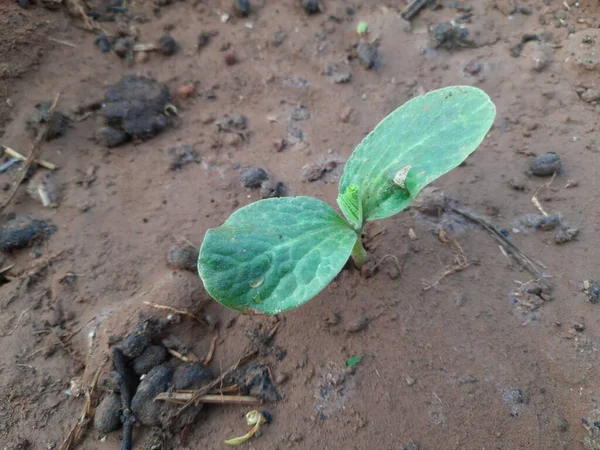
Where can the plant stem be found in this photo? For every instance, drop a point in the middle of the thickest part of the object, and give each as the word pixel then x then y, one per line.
pixel 359 254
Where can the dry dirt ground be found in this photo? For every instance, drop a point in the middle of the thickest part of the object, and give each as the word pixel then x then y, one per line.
pixel 470 363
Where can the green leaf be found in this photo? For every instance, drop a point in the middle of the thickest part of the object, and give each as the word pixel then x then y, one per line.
pixel 274 255
pixel 353 360
pixel 416 144
pixel 350 204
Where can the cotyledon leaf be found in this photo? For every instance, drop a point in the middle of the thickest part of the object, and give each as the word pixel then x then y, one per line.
pixel 416 144
pixel 275 254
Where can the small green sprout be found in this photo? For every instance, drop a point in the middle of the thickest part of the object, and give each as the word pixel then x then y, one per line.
pixel 362 28
pixel 274 255
pixel 353 360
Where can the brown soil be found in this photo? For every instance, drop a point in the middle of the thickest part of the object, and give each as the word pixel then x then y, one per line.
pixel 458 366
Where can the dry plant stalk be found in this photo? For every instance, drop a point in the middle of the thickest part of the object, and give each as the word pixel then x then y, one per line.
pixel 196 395
pixel 461 261
pixel 176 311
pixel 182 397
pixel 79 429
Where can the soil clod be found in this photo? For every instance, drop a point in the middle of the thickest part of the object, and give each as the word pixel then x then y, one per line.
pixel 151 357
pixel 190 376
pixel 255 380
pixel 167 45
pixel 107 417
pixel 565 234
pixel 545 165
pixel 136 105
pixel 311 6
pixel 252 177
pixel 21 232
pixel 57 122
pixel 271 189
pixel 184 258
pixel 143 405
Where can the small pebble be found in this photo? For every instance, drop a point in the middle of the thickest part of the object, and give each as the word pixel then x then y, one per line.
pixel 513 395
pixel 271 188
pixel 203 39
pixel 123 46
pixel 311 6
pixel 311 172
pixel 280 144
pixel 167 45
pixel 548 223
pixel 186 90
pixel 546 165
pixel 107 416
pixel 346 114
pixel 358 324
pixel 367 54
pixel 230 58
pixel 102 43
pixel 252 177
pixel 242 7
pixel 410 380
pixel 565 235
pixel 517 184
pixel 184 258
pixel 593 291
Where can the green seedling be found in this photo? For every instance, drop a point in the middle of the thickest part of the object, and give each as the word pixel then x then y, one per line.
pixel 276 254
pixel 362 28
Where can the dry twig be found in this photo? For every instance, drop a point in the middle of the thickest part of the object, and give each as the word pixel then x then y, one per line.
pixel 35 150
pixel 184 397
pixel 15 154
pixel 177 311
pixel 193 400
pixel 211 351
pixel 529 264
pixel 534 198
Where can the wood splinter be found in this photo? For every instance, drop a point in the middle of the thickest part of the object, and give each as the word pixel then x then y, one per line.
pixel 15 154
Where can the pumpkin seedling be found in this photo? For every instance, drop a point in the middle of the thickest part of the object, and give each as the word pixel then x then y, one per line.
pixel 276 254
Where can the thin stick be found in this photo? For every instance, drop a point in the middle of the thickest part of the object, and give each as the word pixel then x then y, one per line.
pixel 182 357
pixel 176 311
pixel 184 397
pixel 61 42
pixel 19 321
pixel 6 269
pixel 413 9
pixel 40 162
pixel 534 198
pixel 35 149
pixel 526 262
pixel 211 351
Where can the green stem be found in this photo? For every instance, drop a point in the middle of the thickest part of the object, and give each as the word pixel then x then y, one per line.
pixel 359 254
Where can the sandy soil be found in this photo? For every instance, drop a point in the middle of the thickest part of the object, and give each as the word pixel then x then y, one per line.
pixel 465 364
